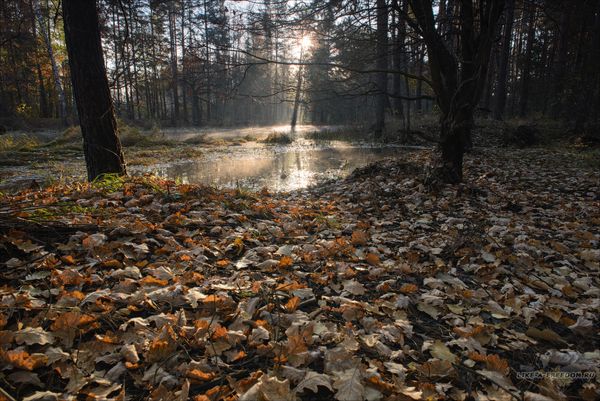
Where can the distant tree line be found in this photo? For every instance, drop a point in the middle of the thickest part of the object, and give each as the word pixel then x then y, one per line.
pixel 221 62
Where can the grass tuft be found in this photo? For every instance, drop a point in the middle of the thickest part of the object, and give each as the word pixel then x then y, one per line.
pixel 22 143
pixel 278 139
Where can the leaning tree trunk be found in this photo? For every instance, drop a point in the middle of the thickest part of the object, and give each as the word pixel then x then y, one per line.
pixel 101 144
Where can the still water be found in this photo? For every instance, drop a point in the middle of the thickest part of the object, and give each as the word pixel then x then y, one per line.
pixel 278 168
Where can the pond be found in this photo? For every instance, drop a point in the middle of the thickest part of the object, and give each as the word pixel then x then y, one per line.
pixel 225 158
pixel 278 168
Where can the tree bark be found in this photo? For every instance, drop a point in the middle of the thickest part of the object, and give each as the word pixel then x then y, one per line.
pixel 397 59
pixel 458 89
pixel 174 75
pixel 57 83
pixel 101 145
pixel 501 84
pixel 382 65
pixel 560 65
pixel 526 80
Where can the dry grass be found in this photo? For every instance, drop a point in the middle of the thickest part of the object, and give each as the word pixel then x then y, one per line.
pixel 22 143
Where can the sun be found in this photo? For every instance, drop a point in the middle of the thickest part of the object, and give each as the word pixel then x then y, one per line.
pixel 306 42
pixel 302 46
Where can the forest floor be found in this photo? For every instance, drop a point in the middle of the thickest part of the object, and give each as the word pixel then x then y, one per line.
pixel 373 287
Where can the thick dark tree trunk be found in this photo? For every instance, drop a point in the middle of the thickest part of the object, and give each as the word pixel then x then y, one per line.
pixel 455 138
pixel 101 144
pixel 457 77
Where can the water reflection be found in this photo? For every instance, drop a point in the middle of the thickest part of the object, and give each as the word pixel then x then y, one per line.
pixel 276 168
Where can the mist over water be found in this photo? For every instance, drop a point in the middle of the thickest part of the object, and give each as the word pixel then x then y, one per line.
pixel 278 168
pixel 253 164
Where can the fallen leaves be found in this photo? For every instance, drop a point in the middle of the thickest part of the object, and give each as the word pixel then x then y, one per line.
pixel 192 293
pixel 22 359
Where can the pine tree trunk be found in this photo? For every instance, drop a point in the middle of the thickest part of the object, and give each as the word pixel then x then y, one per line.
pixel 101 145
pixel 526 81
pixel 398 57
pixel 501 84
pixel 382 65
pixel 57 83
pixel 174 76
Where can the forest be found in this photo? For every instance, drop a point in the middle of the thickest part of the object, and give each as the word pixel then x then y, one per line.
pixel 298 200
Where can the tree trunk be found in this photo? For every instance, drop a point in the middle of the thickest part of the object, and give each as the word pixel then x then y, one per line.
pixel 297 97
pixel 560 65
pixel 382 65
pixel 457 78
pixel 501 84
pixel 101 145
pixel 455 138
pixel 526 80
pixel 174 76
pixel 397 59
pixel 42 93
pixel 57 83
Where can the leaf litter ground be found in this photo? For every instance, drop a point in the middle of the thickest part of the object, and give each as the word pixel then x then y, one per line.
pixel 371 288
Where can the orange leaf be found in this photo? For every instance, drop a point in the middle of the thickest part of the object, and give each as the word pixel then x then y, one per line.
pixel 197 374
pixel 67 277
pixel 149 280
pixel 163 346
pixel 372 259
pixel 380 385
pixel 68 259
pixel 408 288
pixel 359 238
pixel 220 332
pixel 285 261
pixel 23 360
pixel 495 363
pixel 215 393
pixel 477 357
pixel 112 264
pixel 107 338
pixel 296 344
pixel 238 356
pixel 70 320
pixel 294 285
pixel 292 304
pixel 222 262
